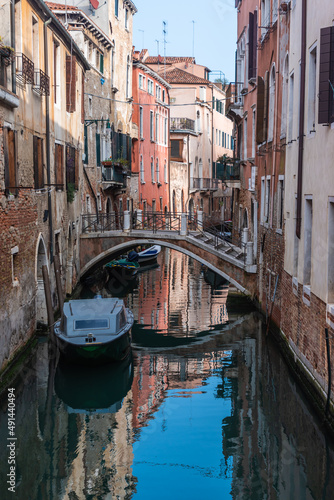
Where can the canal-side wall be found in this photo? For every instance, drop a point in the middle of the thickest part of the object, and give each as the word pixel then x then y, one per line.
pixel 303 326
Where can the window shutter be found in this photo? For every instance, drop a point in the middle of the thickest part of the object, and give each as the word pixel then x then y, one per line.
pixel 250 44
pixel 82 97
pixel 265 106
pixel 326 75
pixel 255 44
pixel 260 110
pixel 70 83
pixel 98 149
pixel 86 144
pixel 59 170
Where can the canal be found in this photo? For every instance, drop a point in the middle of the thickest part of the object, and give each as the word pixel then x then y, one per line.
pixel 204 408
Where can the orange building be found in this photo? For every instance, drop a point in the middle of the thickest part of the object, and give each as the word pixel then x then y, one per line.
pixel 150 158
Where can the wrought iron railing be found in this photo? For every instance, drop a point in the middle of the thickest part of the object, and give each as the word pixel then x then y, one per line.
pixel 41 84
pixel 24 69
pixel 100 223
pixel 182 124
pixel 111 174
pixel 228 172
pixel 156 221
pixel 202 183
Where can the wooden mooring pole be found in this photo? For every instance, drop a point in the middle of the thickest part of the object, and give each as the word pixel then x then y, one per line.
pixel 56 262
pixel 48 299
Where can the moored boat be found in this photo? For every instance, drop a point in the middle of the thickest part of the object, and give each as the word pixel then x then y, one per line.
pixel 129 268
pixel 146 255
pixel 94 330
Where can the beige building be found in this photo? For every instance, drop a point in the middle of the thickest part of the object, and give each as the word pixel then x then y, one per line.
pixel 309 193
pixel 41 134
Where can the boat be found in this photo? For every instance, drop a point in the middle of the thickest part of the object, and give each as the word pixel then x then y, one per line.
pixel 94 331
pixel 126 266
pixel 149 254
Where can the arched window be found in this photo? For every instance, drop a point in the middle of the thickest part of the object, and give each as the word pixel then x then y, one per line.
pixel 272 88
pixel 158 173
pixel 285 96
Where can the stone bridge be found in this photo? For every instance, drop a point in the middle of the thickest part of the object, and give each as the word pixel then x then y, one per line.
pixel 100 243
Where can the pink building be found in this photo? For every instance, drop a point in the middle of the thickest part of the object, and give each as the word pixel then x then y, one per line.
pixel 150 158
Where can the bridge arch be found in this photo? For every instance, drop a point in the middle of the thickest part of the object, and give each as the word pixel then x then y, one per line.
pixel 121 247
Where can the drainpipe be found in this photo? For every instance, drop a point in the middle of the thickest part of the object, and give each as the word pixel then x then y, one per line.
pixel 212 134
pixel 47 118
pixel 301 120
pixel 188 138
pixel 12 33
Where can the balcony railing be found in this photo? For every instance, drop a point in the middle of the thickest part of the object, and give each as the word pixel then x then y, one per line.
pixel 204 184
pixel 24 69
pixel 228 172
pixel 41 84
pixel 182 124
pixel 112 174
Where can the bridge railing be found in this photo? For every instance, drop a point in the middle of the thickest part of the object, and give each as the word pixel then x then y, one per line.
pixel 155 221
pixel 100 223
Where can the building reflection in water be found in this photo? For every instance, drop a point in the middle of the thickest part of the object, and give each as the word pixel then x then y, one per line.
pixel 221 412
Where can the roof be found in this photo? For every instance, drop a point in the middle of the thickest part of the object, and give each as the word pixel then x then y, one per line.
pixel 58 9
pixel 177 75
pixel 169 60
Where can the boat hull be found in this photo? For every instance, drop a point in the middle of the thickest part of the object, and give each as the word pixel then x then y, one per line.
pixel 99 352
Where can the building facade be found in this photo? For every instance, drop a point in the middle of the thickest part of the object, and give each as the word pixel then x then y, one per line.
pixel 41 168
pixel 150 158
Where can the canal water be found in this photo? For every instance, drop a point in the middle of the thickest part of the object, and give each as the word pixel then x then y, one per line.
pixel 205 407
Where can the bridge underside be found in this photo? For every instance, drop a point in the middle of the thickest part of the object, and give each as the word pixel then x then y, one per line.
pixel 96 249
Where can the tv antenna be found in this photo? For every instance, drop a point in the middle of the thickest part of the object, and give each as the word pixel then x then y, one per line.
pixel 193 38
pixel 164 31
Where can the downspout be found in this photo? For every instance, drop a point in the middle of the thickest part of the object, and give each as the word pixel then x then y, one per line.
pixel 12 33
pixel 188 138
pixel 301 120
pixel 47 118
pixel 213 171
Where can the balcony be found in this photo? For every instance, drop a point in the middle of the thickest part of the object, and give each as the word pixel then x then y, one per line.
pixel 41 84
pixel 203 184
pixel 7 54
pixel 112 176
pixel 228 172
pixel 24 69
pixel 183 124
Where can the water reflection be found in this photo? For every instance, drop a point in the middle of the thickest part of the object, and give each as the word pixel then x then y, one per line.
pixel 219 417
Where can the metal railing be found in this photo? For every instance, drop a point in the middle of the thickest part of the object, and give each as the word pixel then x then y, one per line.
pixel 156 221
pixel 182 124
pixel 24 69
pixel 227 172
pixel 111 174
pixel 100 223
pixel 41 84
pixel 203 183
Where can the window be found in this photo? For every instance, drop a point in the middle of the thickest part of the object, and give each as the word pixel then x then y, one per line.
pixel 71 167
pixel 35 43
pixel 126 21
pixel 291 92
pixel 38 162
pixel 272 88
pixel 158 174
pixel 308 241
pixel 245 139
pixel 285 96
pixel 150 88
pixel 165 131
pixel 253 133
pixel 280 202
pixel 176 149
pixel 198 122
pixel 116 8
pixel 312 89
pixel 56 72
pixel 10 160
pixel 262 198
pixel 101 63
pixel 151 126
pixel 156 127
pixel 98 148
pixel 217 136
pixel 152 169
pixel 202 93
pixel 141 166
pixel 160 203
pixel 142 82
pixel 220 137
pixel 112 65
pixel 59 166
pixel 15 268
pixel 70 83
pixel 208 124
pixel 267 205
pixel 141 131
pixel 165 172
pixel 99 203
pixel 163 95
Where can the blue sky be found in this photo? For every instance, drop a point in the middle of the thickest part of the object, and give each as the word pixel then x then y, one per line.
pixel 215 30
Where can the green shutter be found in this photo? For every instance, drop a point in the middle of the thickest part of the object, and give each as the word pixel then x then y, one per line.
pixel 101 63
pixel 98 149
pixel 86 145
